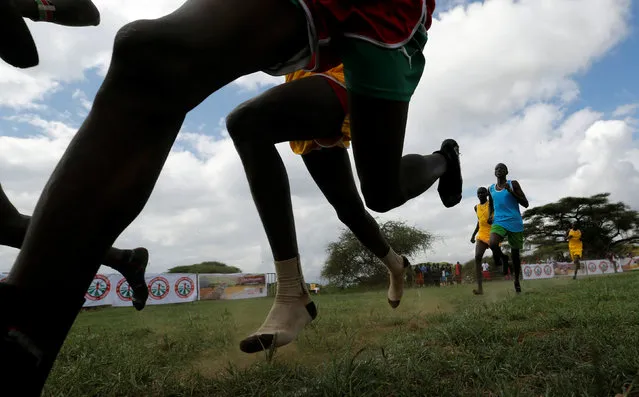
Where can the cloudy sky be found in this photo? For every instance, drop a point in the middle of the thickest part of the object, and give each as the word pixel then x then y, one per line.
pixel 549 87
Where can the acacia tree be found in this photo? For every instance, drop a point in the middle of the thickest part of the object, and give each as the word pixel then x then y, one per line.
pixel 350 263
pixel 605 226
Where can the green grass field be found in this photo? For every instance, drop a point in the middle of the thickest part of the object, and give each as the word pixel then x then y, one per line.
pixel 559 338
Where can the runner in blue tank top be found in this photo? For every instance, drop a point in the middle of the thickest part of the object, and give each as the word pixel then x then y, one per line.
pixel 505 197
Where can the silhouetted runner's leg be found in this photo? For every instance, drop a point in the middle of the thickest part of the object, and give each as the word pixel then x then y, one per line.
pixel 160 70
pixel 130 263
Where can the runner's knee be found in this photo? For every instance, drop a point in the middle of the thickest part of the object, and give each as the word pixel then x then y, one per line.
pixel 379 204
pixel 135 49
pixel 146 61
pixel 381 198
pixel 242 121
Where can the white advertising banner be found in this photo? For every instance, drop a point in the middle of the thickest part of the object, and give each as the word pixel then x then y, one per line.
pixel 568 269
pixel 100 292
pixel 588 268
pixel 113 289
pixel 3 276
pixel 600 266
pixel 163 289
pixel 538 271
pixel 629 264
pixel 232 286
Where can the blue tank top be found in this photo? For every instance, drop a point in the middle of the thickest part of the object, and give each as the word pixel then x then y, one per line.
pixel 507 213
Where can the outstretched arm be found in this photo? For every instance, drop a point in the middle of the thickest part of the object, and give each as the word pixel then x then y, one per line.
pixel 472 238
pixel 518 193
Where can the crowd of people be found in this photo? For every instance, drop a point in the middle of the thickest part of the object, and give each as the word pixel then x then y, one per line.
pixel 432 274
pixel 435 274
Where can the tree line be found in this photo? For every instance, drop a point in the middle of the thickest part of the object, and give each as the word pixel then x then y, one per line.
pixel 607 227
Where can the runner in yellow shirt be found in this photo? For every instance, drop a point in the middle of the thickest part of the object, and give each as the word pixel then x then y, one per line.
pixel 315 106
pixel 575 246
pixel 481 235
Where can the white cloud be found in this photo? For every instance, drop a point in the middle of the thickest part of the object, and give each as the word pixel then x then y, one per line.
pixel 626 110
pixel 66 53
pixel 499 76
pixel 255 81
pixel 81 97
pixel 19 88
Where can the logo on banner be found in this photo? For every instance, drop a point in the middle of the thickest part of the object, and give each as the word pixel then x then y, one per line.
pixel 2 278
pixel 184 287
pixel 159 288
pixel 527 271
pixel 538 270
pixel 603 266
pixel 547 270
pixel 99 288
pixel 252 279
pixel 124 290
pixel 592 267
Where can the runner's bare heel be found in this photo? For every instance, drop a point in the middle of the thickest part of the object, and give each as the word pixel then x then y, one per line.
pixel 291 312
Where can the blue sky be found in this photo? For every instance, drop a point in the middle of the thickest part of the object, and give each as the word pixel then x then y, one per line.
pixel 609 81
pixel 614 78
pixel 61 105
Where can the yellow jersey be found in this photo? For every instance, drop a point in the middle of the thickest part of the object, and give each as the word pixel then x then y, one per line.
pixel 574 241
pixel 483 212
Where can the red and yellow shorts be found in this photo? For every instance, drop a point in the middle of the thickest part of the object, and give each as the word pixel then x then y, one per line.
pixel 380 43
pixel 335 78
